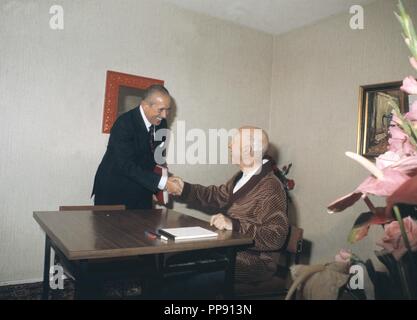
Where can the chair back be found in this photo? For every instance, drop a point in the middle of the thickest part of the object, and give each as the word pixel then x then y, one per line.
pixel 295 242
pixel 93 208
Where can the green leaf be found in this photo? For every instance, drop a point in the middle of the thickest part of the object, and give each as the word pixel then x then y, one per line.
pixel 400 19
pixel 401 8
pixel 408 28
pixel 362 224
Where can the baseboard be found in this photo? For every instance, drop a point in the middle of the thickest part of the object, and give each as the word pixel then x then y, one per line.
pixel 17 282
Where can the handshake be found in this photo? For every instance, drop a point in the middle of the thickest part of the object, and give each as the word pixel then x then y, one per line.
pixel 175 185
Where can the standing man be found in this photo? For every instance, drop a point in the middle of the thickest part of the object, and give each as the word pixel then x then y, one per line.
pixel 126 173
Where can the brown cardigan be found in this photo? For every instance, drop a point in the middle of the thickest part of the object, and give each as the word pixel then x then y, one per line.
pixel 258 209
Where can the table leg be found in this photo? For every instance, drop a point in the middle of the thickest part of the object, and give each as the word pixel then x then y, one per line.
pixel 81 281
pixel 46 267
pixel 229 278
pixel 152 284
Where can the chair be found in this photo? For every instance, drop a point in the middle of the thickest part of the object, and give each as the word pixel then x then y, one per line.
pixel 207 262
pixel 279 284
pixel 128 268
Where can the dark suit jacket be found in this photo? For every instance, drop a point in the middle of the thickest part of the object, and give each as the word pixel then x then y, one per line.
pixel 125 175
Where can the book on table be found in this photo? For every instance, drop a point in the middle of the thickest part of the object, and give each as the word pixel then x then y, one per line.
pixel 188 233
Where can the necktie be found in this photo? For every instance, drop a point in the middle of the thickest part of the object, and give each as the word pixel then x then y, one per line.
pixel 152 138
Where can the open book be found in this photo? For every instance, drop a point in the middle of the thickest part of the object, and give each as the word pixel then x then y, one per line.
pixel 187 233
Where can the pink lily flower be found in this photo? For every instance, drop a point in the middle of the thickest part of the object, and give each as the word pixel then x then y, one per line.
pixel 387 159
pixel 412 114
pixel 393 241
pixel 399 142
pixel 409 85
pixel 383 187
pixel 383 181
pixel 406 193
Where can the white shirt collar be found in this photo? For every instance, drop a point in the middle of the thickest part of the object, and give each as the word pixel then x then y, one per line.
pixel 247 176
pixel 253 171
pixel 147 123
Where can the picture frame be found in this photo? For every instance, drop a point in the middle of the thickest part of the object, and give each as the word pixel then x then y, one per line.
pixel 123 93
pixel 374 116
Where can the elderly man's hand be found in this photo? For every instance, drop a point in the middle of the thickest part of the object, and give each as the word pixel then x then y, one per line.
pixel 221 222
pixel 175 186
pixel 179 181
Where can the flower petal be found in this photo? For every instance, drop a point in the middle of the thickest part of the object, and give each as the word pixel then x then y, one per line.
pixel 344 202
pixel 407 165
pixel 409 85
pixel 383 187
pixel 406 193
pixel 412 114
pixel 387 159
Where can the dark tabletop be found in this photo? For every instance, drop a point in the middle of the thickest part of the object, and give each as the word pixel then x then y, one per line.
pixel 107 234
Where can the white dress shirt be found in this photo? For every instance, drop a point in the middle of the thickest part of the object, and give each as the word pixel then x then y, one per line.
pixel 246 177
pixel 163 182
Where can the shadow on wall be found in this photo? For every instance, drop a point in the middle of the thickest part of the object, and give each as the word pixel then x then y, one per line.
pixel 293 214
pixel 292 205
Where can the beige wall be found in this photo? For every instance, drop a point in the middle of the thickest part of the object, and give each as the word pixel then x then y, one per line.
pixel 52 90
pixel 316 75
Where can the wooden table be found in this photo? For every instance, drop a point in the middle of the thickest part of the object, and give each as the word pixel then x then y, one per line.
pixel 83 236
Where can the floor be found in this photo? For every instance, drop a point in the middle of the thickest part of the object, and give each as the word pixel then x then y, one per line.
pixel 33 291
pixel 113 291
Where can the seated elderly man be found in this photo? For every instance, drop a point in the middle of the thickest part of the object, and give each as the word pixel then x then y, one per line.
pixel 253 202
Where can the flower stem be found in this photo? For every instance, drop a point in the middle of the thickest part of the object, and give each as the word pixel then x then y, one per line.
pixel 401 223
pixel 402 271
pixel 404 280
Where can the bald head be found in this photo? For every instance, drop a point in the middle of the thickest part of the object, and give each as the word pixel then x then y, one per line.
pixel 255 137
pixel 248 147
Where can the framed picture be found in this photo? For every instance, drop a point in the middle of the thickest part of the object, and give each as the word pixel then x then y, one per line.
pixel 374 116
pixel 123 93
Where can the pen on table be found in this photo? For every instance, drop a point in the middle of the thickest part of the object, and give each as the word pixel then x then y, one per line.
pixel 155 235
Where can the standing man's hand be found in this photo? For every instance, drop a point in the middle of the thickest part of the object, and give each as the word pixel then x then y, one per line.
pixel 221 222
pixel 179 181
pixel 175 186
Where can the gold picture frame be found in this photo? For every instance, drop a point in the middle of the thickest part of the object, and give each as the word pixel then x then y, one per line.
pixel 374 116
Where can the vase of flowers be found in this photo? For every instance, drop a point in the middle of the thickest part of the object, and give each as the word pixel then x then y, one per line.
pixel 394 177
